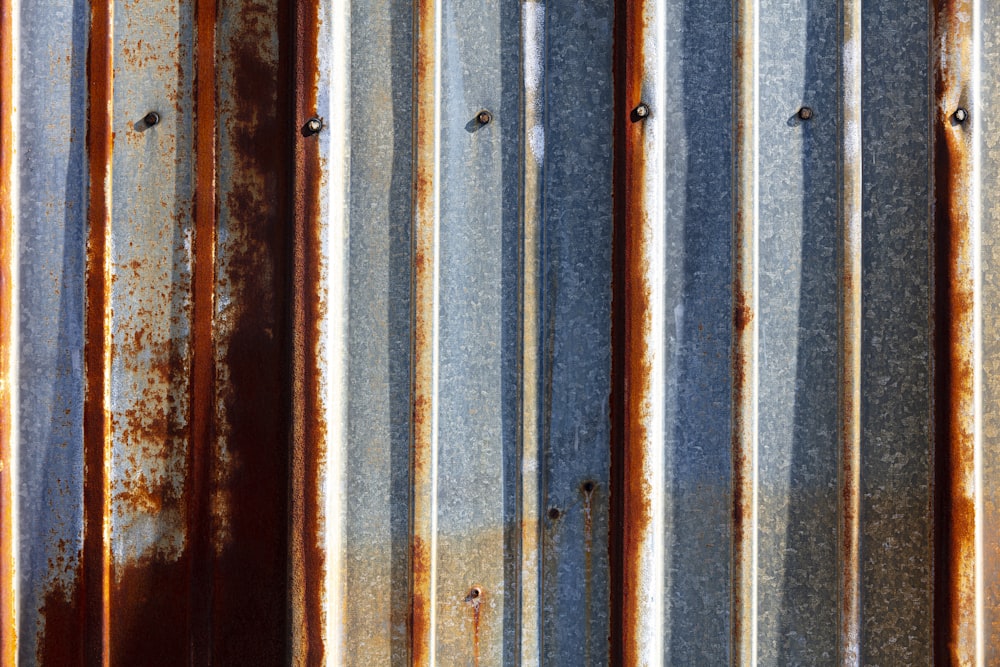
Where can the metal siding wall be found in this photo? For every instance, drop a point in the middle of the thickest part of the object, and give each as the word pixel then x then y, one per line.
pixel 644 366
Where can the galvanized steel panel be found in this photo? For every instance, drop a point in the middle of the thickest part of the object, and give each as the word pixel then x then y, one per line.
pixel 452 332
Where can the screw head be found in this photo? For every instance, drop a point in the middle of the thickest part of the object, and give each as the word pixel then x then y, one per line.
pixel 314 125
pixel 151 119
pixel 484 117
pixel 961 115
pixel 805 113
pixel 641 111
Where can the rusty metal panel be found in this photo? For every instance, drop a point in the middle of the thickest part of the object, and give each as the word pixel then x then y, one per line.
pixel 498 333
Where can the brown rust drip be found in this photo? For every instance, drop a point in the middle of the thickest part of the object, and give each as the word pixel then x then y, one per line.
pixel 308 428
pixel 96 424
pixel 954 344
pixel 8 631
pixel 202 386
pixel 630 508
pixel 475 600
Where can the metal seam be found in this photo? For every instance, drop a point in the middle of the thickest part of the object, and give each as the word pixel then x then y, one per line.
pixel 533 66
pixel 97 351
pixel 426 285
pixel 850 166
pixel 8 333
pixel 745 331
pixel 337 141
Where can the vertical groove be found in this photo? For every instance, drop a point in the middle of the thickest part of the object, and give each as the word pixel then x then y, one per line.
pixel 97 352
pixel 203 355
pixel 533 66
pixel 958 630
pixel 336 49
pixel 425 335
pixel 642 291
pixel 308 434
pixel 8 339
pixel 850 334
pixel 745 332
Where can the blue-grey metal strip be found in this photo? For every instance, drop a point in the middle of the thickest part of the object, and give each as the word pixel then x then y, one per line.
pixel 51 168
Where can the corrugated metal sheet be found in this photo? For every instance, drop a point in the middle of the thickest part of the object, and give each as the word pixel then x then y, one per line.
pixel 470 332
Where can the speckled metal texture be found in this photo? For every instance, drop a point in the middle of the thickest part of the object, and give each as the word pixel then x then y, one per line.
pixel 499 332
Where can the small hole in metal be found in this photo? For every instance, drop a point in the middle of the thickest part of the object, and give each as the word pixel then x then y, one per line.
pixel 554 513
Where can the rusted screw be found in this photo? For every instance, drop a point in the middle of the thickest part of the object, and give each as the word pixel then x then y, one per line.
pixel 484 117
pixel 805 113
pixel 641 111
pixel 151 119
pixel 961 114
pixel 474 593
pixel 314 125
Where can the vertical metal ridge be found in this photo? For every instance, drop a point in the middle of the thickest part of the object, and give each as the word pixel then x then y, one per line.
pixel 644 488
pixel 533 151
pixel 8 340
pixel 957 344
pixel 851 211
pixel 745 330
pixel 202 339
pixel 426 270
pixel 97 351
pixel 308 425
pixel 335 61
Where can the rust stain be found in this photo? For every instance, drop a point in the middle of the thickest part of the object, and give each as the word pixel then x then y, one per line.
pixel 308 428
pixel 475 600
pixel 954 319
pixel 424 230
pixel 630 496
pixel 588 489
pixel 96 561
pixel 250 473
pixel 8 630
pixel 201 387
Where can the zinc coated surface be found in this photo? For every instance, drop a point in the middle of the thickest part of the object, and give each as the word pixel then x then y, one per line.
pixel 494 369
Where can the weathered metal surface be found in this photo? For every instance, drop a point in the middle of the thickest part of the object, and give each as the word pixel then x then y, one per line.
pixel 571 333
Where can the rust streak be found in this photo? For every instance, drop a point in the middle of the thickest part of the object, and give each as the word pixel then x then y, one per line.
pixel 8 630
pixel 631 509
pixel 202 346
pixel 954 341
pixel 96 422
pixel 424 317
pixel 308 429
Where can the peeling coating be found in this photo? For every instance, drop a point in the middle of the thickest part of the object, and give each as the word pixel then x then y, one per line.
pixel 957 618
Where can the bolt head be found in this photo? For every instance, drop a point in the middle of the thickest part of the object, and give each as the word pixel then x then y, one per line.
pixel 642 111
pixel 961 114
pixel 314 125
pixel 151 119
pixel 805 113
pixel 484 117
